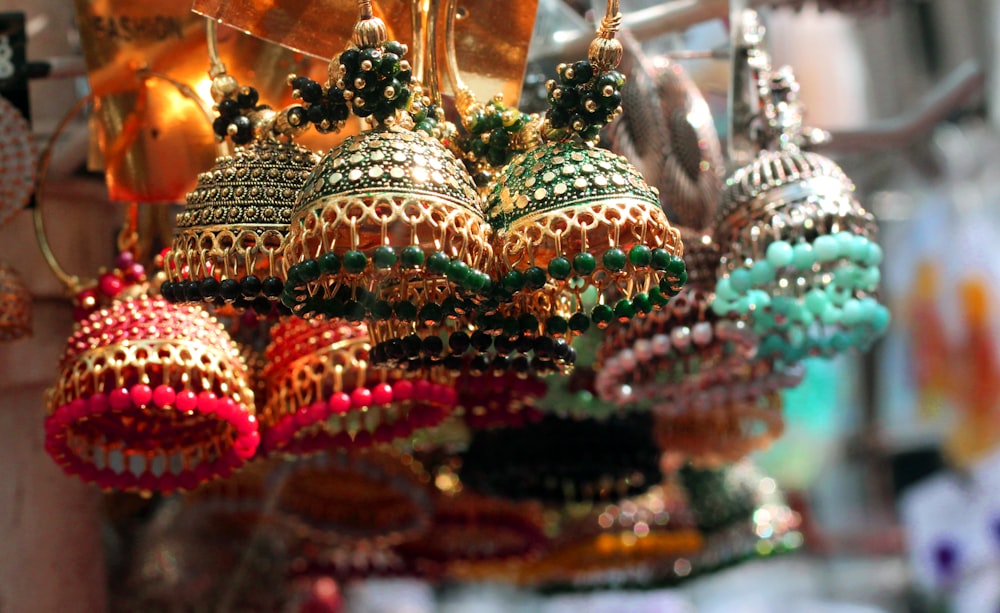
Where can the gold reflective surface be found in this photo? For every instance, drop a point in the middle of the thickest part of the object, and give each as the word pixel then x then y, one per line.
pixel 491 37
pixel 153 139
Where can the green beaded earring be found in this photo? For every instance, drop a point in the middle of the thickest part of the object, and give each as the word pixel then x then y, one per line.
pixel 571 218
pixel 388 229
pixel 799 261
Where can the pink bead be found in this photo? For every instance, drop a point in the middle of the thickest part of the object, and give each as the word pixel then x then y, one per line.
pixel 120 399
pixel 124 260
pixel 164 396
pixel 422 390
pixel 382 394
pixel 339 403
pixel 110 285
pixel 247 425
pixel 98 403
pixel 361 397
pixel 185 401
pixel 135 273
pixel 402 390
pixel 141 395
pixel 207 402
pixel 447 396
pixel 317 413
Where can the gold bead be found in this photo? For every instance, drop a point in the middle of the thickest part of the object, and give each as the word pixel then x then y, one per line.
pixel 224 86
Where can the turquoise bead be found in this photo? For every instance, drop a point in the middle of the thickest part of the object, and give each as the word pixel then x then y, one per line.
pixel 803 257
pixel 845 275
pixel 762 273
pixel 837 295
pixel 769 345
pixel 781 305
pixel 874 257
pixel 739 280
pixel 721 307
pixel 779 253
pixel 797 337
pixel 830 315
pixel 759 299
pixel 825 248
pixel 853 313
pixel 859 248
pixel 763 320
pixel 742 305
pixel 840 341
pixel 724 289
pixel 870 278
pixel 816 301
pixel 844 241
pixel 881 319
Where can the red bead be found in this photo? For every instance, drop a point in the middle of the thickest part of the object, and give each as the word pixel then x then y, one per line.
pixel 187 480
pixel 141 395
pixel 207 402
pixel 363 439
pixel 98 403
pixel 186 401
pixel 341 439
pixel 135 273
pixel 384 434
pixel 402 390
pixel 304 417
pixel 422 390
pixel 110 284
pixel 120 399
pixel 382 394
pixel 168 482
pixel 204 472
pixel 245 423
pixel 361 397
pixel 340 403
pixel 164 396
pixel 317 413
pixel 147 481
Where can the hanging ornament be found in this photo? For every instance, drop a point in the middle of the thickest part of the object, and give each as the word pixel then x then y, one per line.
pixel 151 396
pixel 714 399
pixel 570 217
pixel 649 540
pixel 799 259
pixel 592 460
pixel 388 228
pixel 228 248
pixel 474 538
pixel 15 305
pixel 324 393
pixel 669 134
pixel 341 499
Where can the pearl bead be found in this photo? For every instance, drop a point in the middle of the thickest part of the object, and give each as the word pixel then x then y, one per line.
pixel 702 333
pixel 627 359
pixel 661 344
pixel 643 350
pixel 681 337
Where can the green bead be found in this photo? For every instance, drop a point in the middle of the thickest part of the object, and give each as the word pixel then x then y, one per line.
pixel 405 310
pixel 584 264
pixel 560 268
pixel 614 259
pixel 354 311
pixel 826 249
pixel 579 322
pixel 458 272
pixel 624 310
pixel 859 248
pixel 288 297
pixel 740 281
pixel 762 273
pixel 309 270
pixel 660 258
pixel 535 278
pixel 676 266
pixel 438 263
pixel 556 325
pixel 602 314
pixel 640 256
pixel 355 261
pixel 384 257
pixel 412 257
pixel 478 281
pixel 381 310
pixel 329 263
pixel 803 257
pixel 527 324
pixel 658 298
pixel 513 281
pixel 643 303
pixel 294 274
pixel 780 254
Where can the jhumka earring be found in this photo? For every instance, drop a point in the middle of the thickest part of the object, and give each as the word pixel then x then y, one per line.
pixel 573 220
pixel 228 249
pixel 388 229
pixel 799 260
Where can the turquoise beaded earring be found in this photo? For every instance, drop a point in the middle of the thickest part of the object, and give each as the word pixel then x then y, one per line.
pixel 799 260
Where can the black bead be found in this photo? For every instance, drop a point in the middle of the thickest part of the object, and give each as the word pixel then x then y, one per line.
pixel 479 364
pixel 312 92
pixel 377 355
pixel 501 364
pixel 229 289
pixel 481 341
pixel 570 356
pixel 433 346
pixel 354 311
pixel 221 126
pixel 560 349
pixel 209 289
pixel 544 346
pixel 504 345
pixel 524 343
pixel 317 113
pixel 394 349
pixel 542 367
pixel 458 342
pixel 167 291
pixel 261 306
pixel 535 277
pixel 230 109
pixel 272 287
pixel 192 291
pixel 454 363
pixel 521 364
pixel 244 130
pixel 250 286
pixel 412 345
pixel 247 98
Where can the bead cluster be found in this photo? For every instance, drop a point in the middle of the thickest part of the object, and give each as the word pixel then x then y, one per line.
pixel 236 115
pixel 583 99
pixel 127 275
pixel 494 135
